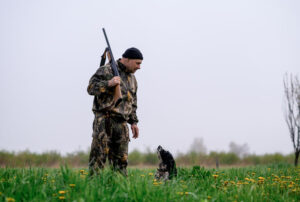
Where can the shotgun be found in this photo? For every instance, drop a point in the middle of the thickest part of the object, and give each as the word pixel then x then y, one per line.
pixel 117 93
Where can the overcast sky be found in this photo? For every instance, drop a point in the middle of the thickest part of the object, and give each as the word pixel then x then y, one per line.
pixel 211 70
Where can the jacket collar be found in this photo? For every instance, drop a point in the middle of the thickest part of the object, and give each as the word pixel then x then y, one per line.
pixel 121 66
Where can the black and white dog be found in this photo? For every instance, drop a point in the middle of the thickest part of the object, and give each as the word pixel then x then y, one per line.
pixel 167 166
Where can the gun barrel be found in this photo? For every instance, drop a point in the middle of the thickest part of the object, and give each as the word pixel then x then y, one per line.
pixel 113 63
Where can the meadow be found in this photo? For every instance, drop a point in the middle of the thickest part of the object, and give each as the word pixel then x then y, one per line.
pixel 277 182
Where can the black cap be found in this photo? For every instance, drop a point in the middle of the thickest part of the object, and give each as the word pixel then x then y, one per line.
pixel 133 53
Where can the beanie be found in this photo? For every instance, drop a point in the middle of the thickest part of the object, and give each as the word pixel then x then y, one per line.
pixel 133 53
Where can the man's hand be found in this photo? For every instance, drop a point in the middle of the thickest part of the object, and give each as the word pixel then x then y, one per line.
pixel 114 81
pixel 135 131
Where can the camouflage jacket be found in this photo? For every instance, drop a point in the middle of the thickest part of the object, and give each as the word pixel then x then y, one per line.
pixel 103 100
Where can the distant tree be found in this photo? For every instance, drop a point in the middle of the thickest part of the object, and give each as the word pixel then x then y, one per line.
pixel 240 150
pixel 292 111
pixel 198 146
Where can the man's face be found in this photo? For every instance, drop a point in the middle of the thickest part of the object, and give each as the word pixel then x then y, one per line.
pixel 132 65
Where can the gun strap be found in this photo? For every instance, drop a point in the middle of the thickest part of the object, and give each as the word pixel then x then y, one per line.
pixel 103 57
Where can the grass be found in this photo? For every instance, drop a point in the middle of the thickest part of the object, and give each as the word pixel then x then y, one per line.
pixel 278 182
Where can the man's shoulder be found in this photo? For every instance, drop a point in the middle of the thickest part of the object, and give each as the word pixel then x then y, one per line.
pixel 104 70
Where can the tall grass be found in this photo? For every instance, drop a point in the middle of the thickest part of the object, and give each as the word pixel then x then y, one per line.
pixel 278 182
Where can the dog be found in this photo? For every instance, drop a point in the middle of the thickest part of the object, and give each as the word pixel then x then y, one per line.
pixel 167 167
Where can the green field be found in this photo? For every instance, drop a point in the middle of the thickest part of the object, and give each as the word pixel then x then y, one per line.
pixel 261 183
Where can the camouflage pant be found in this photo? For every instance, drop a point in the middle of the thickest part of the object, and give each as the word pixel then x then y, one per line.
pixel 110 139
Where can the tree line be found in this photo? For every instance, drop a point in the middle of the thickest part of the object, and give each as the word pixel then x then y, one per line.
pixel 138 158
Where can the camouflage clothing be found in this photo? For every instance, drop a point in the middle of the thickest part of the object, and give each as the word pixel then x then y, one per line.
pixel 98 86
pixel 110 130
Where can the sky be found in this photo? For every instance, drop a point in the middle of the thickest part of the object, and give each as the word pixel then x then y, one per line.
pixel 212 70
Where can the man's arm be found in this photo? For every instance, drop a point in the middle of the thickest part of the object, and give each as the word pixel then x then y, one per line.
pixel 102 82
pixel 133 119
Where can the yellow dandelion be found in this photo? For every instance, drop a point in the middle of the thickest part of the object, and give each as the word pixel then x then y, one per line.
pixel 247 179
pixel 294 190
pixel 186 193
pixel 291 186
pixel 261 178
pixel 81 171
pixel 215 176
pixel 180 193
pixel 142 175
pixel 9 199
pixel 252 180
pixel 154 180
pixel 253 173
pixel 150 174
pixel 225 183
pixel 52 181
pixel 155 184
pixel 62 192
pixel 232 182
pixel 62 197
pixel 208 197
pixel 72 185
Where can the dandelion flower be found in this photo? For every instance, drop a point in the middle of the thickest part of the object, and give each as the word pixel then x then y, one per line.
pixel 62 192
pixel 215 176
pixel 62 197
pixel 208 197
pixel 155 184
pixel 72 185
pixel 142 175
pixel 150 174
pixel 9 199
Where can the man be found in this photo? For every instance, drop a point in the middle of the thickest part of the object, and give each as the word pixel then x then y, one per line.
pixel 110 130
